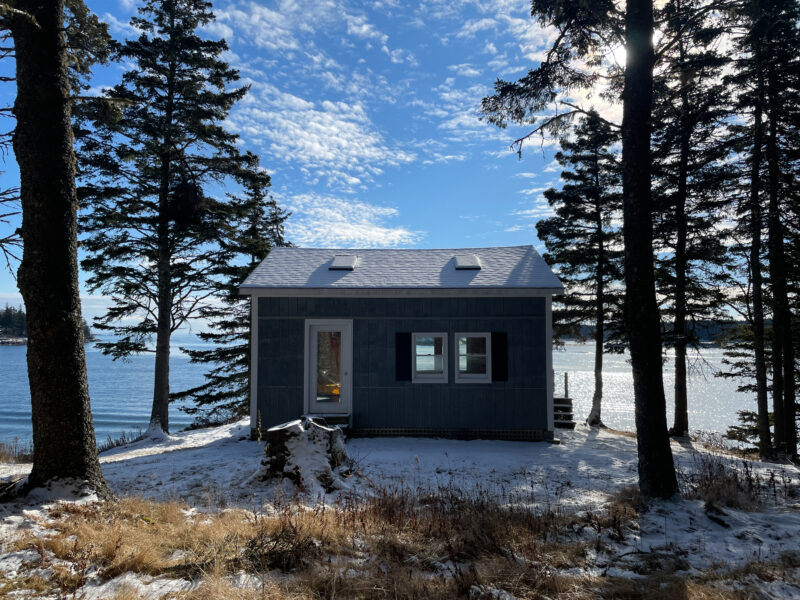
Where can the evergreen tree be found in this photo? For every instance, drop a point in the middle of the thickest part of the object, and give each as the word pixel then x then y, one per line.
pixel 63 431
pixel 87 44
pixel 782 52
pixel 150 151
pixel 256 226
pixel 12 321
pixel 689 176
pixel 584 243
pixel 585 29
pixel 765 74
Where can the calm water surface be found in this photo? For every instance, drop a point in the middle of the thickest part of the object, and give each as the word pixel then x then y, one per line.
pixel 713 401
pixel 121 392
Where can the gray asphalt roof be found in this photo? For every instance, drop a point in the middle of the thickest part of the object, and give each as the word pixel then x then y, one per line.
pixel 308 268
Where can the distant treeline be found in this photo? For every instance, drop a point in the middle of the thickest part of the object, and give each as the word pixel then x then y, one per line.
pixel 706 331
pixel 13 324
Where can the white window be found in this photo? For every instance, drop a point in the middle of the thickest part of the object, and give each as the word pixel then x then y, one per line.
pixel 473 358
pixel 429 357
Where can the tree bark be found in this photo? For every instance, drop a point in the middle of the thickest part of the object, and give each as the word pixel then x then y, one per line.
pixel 159 417
pixel 782 351
pixel 681 423
pixel 63 431
pixel 595 416
pixel 656 467
pixel 765 442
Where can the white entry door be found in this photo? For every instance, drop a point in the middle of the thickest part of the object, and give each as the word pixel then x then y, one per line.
pixel 329 365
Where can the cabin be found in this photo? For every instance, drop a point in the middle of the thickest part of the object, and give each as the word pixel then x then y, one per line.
pixel 451 343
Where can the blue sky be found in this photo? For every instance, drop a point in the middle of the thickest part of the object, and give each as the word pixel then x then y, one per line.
pixel 366 116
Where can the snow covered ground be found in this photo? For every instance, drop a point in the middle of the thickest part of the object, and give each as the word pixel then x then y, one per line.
pixel 216 468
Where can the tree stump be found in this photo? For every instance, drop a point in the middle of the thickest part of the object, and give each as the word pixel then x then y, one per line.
pixel 305 452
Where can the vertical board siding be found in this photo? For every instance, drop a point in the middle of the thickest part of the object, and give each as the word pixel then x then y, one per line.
pixel 379 400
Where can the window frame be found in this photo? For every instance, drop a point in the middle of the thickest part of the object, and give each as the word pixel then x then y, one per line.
pixel 429 377
pixel 474 377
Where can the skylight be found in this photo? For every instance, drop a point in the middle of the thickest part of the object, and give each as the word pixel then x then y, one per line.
pixel 343 262
pixel 466 262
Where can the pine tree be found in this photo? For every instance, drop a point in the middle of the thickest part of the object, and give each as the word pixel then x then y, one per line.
pixel 87 44
pixel 764 140
pixel 63 431
pixel 782 48
pixel 256 226
pixel 583 242
pixel 690 176
pixel 584 30
pixel 150 151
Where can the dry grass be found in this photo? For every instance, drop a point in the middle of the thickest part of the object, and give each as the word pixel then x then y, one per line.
pixel 397 544
pixel 720 480
pixel 16 452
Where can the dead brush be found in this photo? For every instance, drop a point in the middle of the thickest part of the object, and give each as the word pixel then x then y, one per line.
pixel 16 452
pixel 717 479
pixel 286 549
pixel 144 537
pixel 402 543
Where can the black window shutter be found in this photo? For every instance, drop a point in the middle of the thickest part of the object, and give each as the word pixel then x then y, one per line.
pixel 402 356
pixel 499 356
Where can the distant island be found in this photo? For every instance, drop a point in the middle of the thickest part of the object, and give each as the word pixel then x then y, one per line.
pixel 14 328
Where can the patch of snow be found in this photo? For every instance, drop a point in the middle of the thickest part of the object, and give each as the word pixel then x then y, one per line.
pixel 483 592
pixel 143 585
pixel 213 468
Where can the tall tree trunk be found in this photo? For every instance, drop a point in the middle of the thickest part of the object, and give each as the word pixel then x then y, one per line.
pixel 63 433
pixel 595 417
pixel 681 424
pixel 765 443
pixel 782 351
pixel 656 468
pixel 789 392
pixel 159 417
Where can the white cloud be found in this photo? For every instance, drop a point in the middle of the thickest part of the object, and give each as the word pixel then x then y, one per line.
pixel 473 26
pixel 336 141
pixel 263 27
pixel 552 167
pixel 119 26
pixel 465 70
pixel 532 191
pixel 329 221
pixel 220 31
pixel 358 26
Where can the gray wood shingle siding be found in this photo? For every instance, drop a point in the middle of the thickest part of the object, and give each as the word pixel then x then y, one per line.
pixel 380 401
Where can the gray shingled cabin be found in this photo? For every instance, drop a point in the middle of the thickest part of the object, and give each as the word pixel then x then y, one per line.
pixel 405 342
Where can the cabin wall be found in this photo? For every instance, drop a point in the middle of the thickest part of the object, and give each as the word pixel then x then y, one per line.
pixel 380 402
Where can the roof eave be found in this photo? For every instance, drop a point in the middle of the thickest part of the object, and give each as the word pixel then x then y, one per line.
pixel 441 292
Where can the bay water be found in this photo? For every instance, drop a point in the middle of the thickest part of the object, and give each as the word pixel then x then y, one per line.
pixel 121 391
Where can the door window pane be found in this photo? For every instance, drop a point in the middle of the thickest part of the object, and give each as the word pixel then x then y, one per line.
pixel 329 366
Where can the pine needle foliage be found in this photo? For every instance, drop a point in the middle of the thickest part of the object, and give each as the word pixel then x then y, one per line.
pixel 256 227
pixel 584 242
pixel 150 154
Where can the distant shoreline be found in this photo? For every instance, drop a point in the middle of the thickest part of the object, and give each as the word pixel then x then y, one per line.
pixel 24 341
